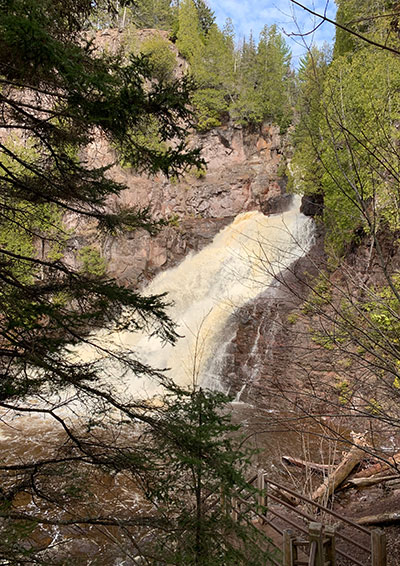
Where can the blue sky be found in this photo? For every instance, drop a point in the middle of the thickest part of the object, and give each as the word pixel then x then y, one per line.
pixel 252 15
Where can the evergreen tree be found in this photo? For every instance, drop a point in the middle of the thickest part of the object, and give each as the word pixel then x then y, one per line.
pixel 364 18
pixel 273 62
pixel 157 14
pixel 214 78
pixel 190 40
pixel 247 108
pixel 307 168
pixel 263 81
pixel 205 14
pixel 198 468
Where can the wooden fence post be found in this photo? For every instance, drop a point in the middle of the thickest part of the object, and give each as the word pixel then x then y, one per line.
pixel 378 548
pixel 261 499
pixel 315 535
pixel 330 545
pixel 260 487
pixel 289 549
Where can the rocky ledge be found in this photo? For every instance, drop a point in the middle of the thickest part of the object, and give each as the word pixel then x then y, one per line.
pixel 243 173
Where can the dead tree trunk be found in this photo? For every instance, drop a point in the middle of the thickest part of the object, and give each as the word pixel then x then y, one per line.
pixel 346 466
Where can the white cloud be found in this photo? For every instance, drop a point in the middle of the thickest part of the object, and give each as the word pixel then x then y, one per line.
pixel 252 15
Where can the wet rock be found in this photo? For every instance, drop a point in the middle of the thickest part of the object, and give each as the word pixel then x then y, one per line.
pixel 312 205
pixel 277 205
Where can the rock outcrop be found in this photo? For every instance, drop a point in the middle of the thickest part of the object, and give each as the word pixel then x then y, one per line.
pixel 242 175
pixel 271 348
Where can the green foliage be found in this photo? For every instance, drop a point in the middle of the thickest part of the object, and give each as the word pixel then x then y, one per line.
pixel 174 221
pixel 263 81
pixel 209 106
pixel 273 61
pixel 361 108
pixel 306 167
pixel 161 57
pixel 158 14
pixel 382 309
pixel 147 135
pixel 199 172
pixel 292 318
pixel 201 467
pixel 250 84
pixel 92 262
pixel 374 407
pixel 323 339
pixel 347 134
pixel 190 40
pixel 320 295
pixel 344 391
pixel 205 15
pixel 356 16
pixel 213 74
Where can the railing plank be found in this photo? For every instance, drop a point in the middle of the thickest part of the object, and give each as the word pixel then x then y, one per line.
pixel 329 511
pixel 310 518
pixel 315 534
pixel 288 548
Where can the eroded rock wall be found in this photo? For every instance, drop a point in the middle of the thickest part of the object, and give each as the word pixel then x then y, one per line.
pixel 242 174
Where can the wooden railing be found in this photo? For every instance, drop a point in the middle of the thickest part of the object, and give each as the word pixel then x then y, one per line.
pixel 319 548
pixel 300 532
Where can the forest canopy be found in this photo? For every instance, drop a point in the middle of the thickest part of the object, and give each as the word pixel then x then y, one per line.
pixel 248 81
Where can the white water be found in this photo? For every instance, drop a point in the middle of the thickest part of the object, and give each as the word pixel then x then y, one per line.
pixel 206 288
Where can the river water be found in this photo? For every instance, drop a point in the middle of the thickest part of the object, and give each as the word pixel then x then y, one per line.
pixel 205 289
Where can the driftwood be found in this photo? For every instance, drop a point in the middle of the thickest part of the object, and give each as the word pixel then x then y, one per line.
pixel 379 467
pixel 343 470
pixel 320 468
pixel 380 519
pixel 367 482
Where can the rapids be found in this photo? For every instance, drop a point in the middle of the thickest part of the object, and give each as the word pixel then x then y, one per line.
pixel 205 289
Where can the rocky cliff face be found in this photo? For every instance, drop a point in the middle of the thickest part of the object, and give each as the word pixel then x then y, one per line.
pixel 242 174
pixel 271 351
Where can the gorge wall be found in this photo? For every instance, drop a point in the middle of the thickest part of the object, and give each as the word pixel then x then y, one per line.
pixel 243 174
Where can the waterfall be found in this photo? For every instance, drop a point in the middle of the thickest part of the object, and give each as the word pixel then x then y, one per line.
pixel 206 288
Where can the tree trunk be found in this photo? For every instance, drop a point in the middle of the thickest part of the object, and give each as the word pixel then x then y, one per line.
pixel 366 482
pixel 380 519
pixel 380 467
pixel 346 466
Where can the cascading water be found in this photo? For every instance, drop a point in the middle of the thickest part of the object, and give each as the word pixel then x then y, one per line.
pixel 206 288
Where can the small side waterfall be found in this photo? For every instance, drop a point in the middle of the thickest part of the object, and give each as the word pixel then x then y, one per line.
pixel 206 288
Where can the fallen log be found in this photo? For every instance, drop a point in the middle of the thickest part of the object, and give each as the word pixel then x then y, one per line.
pixel 380 519
pixel 320 468
pixel 379 467
pixel 367 482
pixel 343 470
